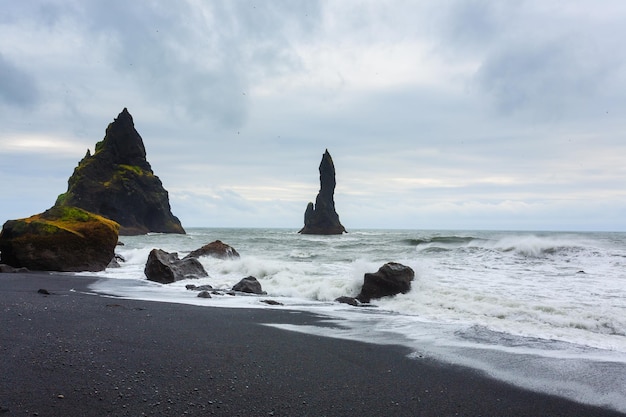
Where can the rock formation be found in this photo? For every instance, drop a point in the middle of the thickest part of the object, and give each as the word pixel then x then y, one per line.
pixel 117 182
pixel 60 239
pixel 321 218
pixel 217 249
pixel 165 267
pixel 390 279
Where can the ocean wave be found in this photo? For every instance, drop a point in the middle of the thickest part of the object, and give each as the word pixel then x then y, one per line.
pixel 445 240
pixel 537 246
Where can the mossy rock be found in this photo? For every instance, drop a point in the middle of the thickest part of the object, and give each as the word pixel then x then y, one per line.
pixel 63 238
pixel 117 182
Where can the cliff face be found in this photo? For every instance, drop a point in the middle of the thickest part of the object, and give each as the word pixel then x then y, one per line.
pixel 117 182
pixel 321 218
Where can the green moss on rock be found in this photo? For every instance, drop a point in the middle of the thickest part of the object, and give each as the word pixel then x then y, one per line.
pixel 117 182
pixel 63 238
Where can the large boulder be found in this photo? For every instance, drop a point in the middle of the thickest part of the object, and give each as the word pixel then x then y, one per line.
pixel 321 218
pixel 117 182
pixel 217 249
pixel 249 285
pixel 390 279
pixel 60 239
pixel 165 268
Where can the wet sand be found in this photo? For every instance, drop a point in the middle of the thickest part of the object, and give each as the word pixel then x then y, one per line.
pixel 72 353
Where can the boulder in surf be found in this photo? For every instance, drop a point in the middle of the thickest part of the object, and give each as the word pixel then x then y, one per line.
pixel 392 278
pixel 165 267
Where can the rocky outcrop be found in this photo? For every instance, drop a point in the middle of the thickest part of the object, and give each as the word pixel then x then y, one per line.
pixel 249 285
pixel 165 268
pixel 65 239
pixel 390 279
pixel 217 249
pixel 321 218
pixel 117 182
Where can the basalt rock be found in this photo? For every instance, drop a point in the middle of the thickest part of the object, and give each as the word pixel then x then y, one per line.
pixel 65 239
pixel 117 182
pixel 390 279
pixel 321 218
pixel 347 300
pixel 165 268
pixel 217 249
pixel 249 285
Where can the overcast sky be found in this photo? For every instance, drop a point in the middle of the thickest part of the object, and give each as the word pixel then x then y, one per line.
pixel 438 114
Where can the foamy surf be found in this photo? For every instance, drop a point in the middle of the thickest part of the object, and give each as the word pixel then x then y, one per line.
pixel 541 310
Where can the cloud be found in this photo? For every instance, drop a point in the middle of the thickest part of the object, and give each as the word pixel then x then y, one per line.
pixel 17 86
pixel 200 58
pixel 435 113
pixel 552 78
pixel 541 60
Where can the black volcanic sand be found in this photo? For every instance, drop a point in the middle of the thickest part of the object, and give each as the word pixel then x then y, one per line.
pixel 75 354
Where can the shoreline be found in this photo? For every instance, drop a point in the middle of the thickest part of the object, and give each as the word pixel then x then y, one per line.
pixel 75 353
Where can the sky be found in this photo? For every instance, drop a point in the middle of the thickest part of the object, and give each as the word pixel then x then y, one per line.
pixel 476 114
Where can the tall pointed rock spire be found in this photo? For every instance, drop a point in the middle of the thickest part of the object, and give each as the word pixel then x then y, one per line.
pixel 117 182
pixel 321 218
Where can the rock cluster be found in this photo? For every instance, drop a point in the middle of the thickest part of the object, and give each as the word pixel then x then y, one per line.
pixel 65 239
pixel 321 218
pixel 165 268
pixel 117 182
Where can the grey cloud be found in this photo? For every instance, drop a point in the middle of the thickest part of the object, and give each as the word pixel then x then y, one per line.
pixel 477 23
pixel 551 78
pixel 536 59
pixel 17 87
pixel 201 58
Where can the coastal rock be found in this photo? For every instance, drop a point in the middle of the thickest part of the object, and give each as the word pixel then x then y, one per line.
pixel 347 300
pixel 8 269
pixel 117 182
pixel 193 287
pixel 115 262
pixel 217 249
pixel 66 239
pixel 321 218
pixel 272 302
pixel 165 268
pixel 390 279
pixel 249 285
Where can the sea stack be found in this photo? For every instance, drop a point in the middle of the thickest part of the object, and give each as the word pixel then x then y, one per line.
pixel 321 218
pixel 117 182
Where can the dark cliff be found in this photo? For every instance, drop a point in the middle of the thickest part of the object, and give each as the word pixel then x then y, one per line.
pixel 117 182
pixel 321 218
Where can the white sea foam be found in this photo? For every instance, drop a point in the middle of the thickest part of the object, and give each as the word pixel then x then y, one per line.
pixel 555 301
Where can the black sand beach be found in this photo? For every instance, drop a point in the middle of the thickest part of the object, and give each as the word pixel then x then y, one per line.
pixel 71 353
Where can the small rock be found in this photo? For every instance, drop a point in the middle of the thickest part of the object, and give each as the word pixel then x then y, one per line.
pixel 272 302
pixel 204 294
pixel 348 300
pixel 193 287
pixel 43 291
pixel 217 249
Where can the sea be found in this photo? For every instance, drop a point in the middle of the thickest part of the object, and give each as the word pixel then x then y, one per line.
pixel 544 311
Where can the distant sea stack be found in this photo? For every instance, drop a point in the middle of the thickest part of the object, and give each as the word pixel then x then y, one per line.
pixel 117 182
pixel 321 218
